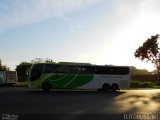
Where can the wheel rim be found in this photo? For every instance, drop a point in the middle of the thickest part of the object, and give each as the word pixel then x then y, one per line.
pixel 46 87
pixel 114 87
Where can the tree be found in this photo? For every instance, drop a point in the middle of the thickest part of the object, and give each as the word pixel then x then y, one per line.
pixel 42 60
pixel 48 60
pixel 22 71
pixel 3 67
pixel 136 71
pixel 149 52
pixel 24 67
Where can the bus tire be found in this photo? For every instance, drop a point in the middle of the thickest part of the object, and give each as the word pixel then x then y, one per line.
pixel 114 87
pixel 46 87
pixel 106 87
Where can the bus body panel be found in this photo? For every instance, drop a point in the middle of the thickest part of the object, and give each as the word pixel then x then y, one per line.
pixel 69 81
pixel 99 80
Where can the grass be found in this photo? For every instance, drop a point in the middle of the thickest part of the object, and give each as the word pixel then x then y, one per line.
pixel 21 84
pixel 156 86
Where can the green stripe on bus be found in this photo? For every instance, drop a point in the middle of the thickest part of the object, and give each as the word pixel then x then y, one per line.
pixel 80 80
pixel 68 81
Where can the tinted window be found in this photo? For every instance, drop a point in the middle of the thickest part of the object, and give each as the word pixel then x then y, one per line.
pixel 100 70
pixel 74 69
pixel 105 70
pixel 112 70
pixel 49 68
pixel 87 70
pixel 62 69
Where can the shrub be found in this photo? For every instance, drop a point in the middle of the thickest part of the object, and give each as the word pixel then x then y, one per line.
pixel 138 84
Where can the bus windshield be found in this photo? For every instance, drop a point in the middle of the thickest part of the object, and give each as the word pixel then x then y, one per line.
pixel 36 71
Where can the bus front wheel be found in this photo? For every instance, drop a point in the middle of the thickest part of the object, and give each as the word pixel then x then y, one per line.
pixel 106 87
pixel 46 87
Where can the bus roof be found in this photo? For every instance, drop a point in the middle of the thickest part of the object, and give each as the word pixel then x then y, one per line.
pixel 80 64
pixel 74 63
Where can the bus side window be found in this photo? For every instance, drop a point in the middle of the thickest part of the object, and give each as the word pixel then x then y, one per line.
pixel 83 70
pixel 62 69
pixel 74 69
pixel 49 68
pixel 86 70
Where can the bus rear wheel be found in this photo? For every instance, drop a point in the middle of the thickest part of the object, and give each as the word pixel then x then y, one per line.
pixel 46 87
pixel 106 87
pixel 114 87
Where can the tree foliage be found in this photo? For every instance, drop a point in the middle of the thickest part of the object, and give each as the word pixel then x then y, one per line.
pixel 42 60
pixel 149 51
pixel 23 70
pixel 136 71
pixel 24 67
pixel 3 67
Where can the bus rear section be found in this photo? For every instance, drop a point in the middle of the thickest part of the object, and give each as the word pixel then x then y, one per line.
pixel 57 76
pixel 109 78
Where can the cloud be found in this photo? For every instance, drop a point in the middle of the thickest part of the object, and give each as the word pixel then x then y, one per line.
pixel 22 12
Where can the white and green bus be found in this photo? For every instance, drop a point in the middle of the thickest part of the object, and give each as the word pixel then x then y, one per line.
pixel 48 76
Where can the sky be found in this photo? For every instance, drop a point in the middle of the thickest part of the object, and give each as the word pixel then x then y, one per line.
pixel 91 31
